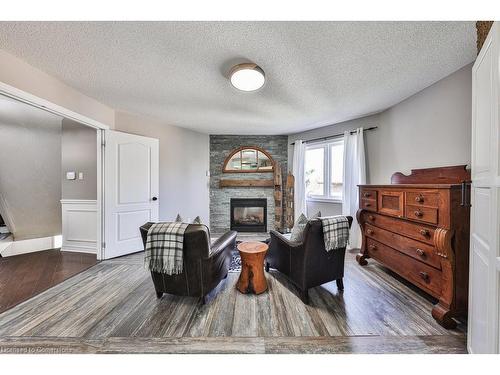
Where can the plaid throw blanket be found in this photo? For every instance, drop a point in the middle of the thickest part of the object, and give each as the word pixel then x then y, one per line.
pixel 335 232
pixel 164 248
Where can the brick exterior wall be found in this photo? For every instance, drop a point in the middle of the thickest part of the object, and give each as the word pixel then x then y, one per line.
pixel 220 147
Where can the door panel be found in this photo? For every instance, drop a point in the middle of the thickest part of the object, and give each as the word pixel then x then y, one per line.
pixel 131 175
pixel 484 314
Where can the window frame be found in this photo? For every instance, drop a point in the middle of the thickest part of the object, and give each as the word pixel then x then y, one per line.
pixel 326 146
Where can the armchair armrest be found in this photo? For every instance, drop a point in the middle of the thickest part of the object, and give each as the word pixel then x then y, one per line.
pixel 221 243
pixel 282 240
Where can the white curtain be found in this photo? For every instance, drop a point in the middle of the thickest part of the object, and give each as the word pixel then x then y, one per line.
pixel 354 175
pixel 299 156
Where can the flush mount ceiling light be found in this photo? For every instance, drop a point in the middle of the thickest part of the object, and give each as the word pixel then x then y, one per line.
pixel 247 77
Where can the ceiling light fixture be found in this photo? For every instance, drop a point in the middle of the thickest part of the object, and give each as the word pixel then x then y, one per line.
pixel 247 77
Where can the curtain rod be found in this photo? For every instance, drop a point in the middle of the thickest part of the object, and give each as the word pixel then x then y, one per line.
pixel 334 136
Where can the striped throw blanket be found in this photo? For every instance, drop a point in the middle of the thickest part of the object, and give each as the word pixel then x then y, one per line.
pixel 335 232
pixel 164 247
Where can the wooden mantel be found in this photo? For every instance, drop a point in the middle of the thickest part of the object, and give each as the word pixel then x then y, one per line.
pixel 246 183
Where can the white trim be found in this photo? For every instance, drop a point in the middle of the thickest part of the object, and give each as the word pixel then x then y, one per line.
pixel 324 200
pixel 91 202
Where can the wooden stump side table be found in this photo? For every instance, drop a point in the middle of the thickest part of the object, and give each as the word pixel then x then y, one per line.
pixel 252 278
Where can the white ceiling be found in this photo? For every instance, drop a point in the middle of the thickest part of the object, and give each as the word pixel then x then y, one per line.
pixel 318 73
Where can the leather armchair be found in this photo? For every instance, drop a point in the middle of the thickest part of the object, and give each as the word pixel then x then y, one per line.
pixel 307 264
pixel 205 265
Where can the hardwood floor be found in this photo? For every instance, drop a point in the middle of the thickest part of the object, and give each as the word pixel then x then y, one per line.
pixel 112 307
pixel 24 276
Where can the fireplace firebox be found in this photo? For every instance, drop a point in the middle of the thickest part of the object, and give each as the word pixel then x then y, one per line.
pixel 249 214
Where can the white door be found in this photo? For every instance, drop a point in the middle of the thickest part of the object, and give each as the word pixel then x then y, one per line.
pixel 484 275
pixel 130 190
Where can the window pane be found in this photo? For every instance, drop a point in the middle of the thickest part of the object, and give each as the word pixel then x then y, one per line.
pixel 248 159
pixel 336 169
pixel 314 171
pixel 235 163
pixel 264 162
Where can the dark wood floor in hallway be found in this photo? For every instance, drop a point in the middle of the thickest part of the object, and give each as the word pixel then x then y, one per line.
pixel 112 307
pixel 24 276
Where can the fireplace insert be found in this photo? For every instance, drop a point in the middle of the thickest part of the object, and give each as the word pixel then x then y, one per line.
pixel 249 214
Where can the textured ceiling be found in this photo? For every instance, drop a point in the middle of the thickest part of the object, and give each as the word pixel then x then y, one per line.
pixel 318 73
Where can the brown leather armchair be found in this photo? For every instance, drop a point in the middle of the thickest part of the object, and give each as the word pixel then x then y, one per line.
pixel 307 264
pixel 205 265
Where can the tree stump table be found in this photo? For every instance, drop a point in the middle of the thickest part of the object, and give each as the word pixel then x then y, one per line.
pixel 252 278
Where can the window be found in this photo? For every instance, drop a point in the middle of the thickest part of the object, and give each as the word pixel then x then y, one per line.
pixel 324 170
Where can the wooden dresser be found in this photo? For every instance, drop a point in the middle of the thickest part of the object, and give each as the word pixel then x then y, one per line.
pixel 419 228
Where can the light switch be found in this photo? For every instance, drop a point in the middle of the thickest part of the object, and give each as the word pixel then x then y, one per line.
pixel 80 175
pixel 70 175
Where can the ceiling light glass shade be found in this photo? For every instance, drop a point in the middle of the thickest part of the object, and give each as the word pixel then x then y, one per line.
pixel 247 77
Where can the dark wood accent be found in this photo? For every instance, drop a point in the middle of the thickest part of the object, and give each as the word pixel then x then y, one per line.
pixel 246 183
pixel 482 30
pixel 289 201
pixel 278 197
pixel 252 278
pixel 441 175
pixel 422 234
pixel 24 276
pixel 257 148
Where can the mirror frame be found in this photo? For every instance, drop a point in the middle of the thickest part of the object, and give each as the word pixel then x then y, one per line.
pixel 255 148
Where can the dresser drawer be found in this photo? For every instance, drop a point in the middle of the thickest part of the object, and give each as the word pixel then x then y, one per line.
pixel 420 232
pixel 415 249
pixel 422 275
pixel 369 204
pixel 423 214
pixel 368 193
pixel 426 198
pixel 390 202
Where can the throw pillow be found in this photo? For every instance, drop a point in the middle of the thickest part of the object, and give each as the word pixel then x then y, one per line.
pixel 178 219
pixel 298 230
pixel 197 220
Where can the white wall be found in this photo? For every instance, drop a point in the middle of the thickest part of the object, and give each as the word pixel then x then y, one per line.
pixel 30 169
pixel 429 129
pixel 79 154
pixel 184 162
pixel 19 74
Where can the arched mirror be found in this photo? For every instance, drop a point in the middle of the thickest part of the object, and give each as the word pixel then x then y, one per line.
pixel 248 159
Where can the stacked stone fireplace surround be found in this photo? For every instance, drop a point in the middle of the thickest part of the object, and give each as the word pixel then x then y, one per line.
pixel 220 198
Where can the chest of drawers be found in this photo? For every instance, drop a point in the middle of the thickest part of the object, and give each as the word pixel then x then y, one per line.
pixel 418 226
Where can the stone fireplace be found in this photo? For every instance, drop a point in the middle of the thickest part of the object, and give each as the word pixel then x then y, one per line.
pixel 249 214
pixel 220 197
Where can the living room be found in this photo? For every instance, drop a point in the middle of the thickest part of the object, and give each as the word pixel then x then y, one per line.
pixel 240 187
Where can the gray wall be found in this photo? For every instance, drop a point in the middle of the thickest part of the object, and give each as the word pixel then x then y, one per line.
pixel 30 169
pixel 220 147
pixel 184 159
pixel 429 129
pixel 79 154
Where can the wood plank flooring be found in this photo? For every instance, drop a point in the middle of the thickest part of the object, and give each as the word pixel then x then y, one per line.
pixel 24 276
pixel 112 307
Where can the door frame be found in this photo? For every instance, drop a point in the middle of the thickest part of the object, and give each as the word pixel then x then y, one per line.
pixel 38 102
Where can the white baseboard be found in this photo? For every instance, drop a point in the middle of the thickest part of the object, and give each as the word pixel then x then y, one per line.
pixel 31 245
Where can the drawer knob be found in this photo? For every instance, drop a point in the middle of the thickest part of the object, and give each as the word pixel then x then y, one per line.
pixel 372 247
pixel 420 252
pixel 369 231
pixel 366 195
pixel 425 232
pixel 371 218
pixel 424 276
pixel 418 213
pixel 419 198
pixel 367 204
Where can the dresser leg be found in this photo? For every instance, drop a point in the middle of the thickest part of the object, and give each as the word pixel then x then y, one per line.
pixel 361 259
pixel 443 316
